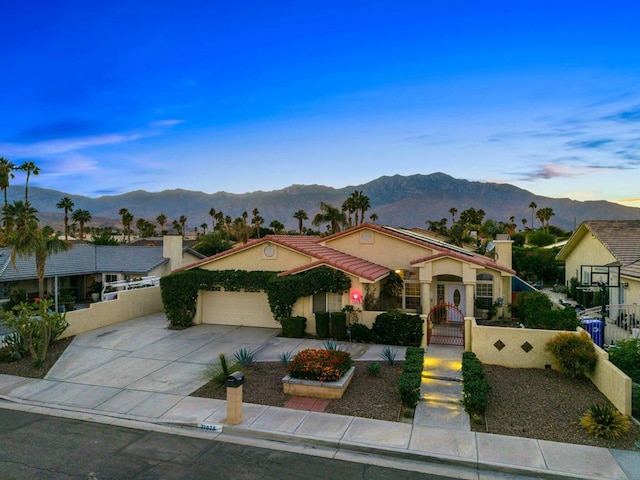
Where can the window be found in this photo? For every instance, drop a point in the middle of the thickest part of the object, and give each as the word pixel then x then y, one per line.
pixel 111 277
pixel 327 302
pixel 411 295
pixel 484 291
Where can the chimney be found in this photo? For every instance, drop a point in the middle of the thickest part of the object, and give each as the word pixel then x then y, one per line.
pixel 172 249
pixel 503 250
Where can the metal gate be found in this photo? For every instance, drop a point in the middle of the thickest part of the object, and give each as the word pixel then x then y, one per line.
pixel 446 325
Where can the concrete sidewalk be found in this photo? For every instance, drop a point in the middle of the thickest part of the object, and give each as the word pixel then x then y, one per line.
pixel 138 374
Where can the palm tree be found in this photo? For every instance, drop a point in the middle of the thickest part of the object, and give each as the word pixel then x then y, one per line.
pixel 68 205
pixel 349 208
pixel 277 226
pixel 219 220
pixel 533 206
pixel 38 242
pixel 177 226
pixel 161 219
pixel 30 168
pixel 240 229
pixel 257 222
pixel 204 227
pixel 81 216
pixel 126 221
pixel 301 216
pixel 6 173
pixel 453 212
pixel 20 215
pixel 374 217
pixel 183 221
pixel 524 223
pixel 331 215
pixel 212 214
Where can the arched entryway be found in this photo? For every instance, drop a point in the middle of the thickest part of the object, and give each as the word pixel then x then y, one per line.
pixel 446 325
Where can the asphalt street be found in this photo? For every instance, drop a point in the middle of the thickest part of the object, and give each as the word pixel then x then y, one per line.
pixel 35 447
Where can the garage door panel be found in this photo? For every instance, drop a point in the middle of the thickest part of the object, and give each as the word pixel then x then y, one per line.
pixel 237 308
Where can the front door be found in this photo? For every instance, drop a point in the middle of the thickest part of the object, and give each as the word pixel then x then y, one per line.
pixel 455 296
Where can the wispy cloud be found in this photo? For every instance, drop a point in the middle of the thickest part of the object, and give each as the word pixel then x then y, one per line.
pixel 53 147
pixel 166 123
pixel 630 115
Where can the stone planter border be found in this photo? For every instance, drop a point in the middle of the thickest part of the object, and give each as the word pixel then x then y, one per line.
pixel 315 389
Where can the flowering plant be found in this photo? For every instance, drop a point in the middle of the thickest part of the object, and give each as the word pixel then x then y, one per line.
pixel 320 365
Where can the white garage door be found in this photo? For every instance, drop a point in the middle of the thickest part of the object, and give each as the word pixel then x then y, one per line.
pixel 237 308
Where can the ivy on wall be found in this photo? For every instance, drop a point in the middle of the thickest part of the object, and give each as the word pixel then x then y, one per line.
pixel 180 290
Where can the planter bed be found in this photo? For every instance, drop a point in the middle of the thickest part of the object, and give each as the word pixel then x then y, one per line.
pixel 312 388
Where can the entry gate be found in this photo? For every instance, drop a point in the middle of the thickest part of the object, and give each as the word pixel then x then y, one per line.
pixel 446 325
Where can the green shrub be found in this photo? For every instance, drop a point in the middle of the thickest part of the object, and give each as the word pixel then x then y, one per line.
pixel 373 369
pixel 35 328
pixel 626 356
pixel 476 388
pixel 397 328
pixel 293 327
pixel 535 310
pixel 320 365
pixel 604 421
pixel 411 377
pixel 389 354
pixel 338 321
pixel 219 372
pixel 573 353
pixel 322 324
pixel 244 357
pixel 360 333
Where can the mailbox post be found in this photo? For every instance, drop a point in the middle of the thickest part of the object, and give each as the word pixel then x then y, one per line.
pixel 234 384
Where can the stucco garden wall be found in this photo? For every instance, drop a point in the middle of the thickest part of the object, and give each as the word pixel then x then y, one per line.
pixel 524 348
pixel 129 305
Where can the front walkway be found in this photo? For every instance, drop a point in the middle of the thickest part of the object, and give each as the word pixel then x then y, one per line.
pixel 441 390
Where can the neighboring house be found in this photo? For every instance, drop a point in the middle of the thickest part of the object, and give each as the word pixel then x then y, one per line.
pixel 77 269
pixel 605 254
pixel 604 257
pixel 432 272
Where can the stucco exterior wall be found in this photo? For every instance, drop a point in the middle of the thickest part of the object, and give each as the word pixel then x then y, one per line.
pixel 589 251
pixel 129 305
pixel 253 259
pixel 481 340
pixel 383 249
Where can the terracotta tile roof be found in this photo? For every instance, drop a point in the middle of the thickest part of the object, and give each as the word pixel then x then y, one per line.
pixel 419 238
pixel 320 255
pixel 622 239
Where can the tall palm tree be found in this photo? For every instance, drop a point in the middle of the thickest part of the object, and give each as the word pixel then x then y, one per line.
pixel 67 204
pixel 31 169
pixel 331 215
pixel 6 173
pixel 301 216
pixel 81 217
pixel 533 206
pixel 219 220
pixel 257 222
pixel 127 220
pixel 374 217
pixel 38 242
pixel 177 226
pixel 453 212
pixel 161 219
pixel 204 227
pixel 18 215
pixel 183 222
pixel 212 214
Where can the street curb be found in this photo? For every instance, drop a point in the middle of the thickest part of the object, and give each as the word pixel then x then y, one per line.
pixel 265 437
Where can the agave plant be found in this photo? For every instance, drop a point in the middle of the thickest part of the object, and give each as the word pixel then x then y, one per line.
pixel 389 354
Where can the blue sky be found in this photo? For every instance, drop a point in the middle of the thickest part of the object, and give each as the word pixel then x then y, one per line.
pixel 109 97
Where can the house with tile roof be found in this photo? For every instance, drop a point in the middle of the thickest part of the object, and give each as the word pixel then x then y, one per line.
pixel 432 272
pixel 77 269
pixel 604 255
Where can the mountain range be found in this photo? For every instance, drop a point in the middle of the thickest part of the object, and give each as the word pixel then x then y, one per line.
pixel 407 201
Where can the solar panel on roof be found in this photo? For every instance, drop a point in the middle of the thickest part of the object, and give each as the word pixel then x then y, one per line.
pixel 427 239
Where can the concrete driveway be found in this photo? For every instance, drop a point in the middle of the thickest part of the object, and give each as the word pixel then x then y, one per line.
pixel 144 355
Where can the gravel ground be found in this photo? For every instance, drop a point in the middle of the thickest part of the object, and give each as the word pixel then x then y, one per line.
pixel 366 396
pixel 544 404
pixel 531 403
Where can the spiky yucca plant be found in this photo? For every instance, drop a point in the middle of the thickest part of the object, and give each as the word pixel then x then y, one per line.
pixel 603 421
